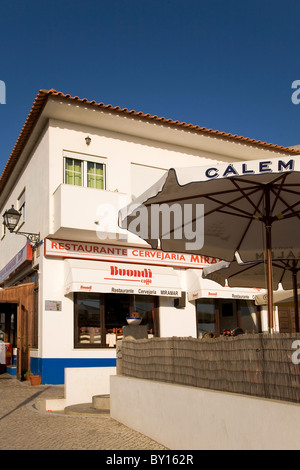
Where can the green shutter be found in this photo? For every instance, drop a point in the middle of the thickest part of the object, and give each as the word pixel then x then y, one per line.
pixel 95 175
pixel 73 171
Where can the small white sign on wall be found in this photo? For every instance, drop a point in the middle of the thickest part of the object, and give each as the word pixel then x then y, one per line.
pixel 53 305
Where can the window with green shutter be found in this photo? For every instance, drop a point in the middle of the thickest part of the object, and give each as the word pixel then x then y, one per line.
pixel 73 171
pixel 90 174
pixel 95 175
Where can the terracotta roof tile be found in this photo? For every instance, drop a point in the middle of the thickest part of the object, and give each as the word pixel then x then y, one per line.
pixel 42 98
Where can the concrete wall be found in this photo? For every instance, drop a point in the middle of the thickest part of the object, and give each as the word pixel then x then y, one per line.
pixel 189 418
pixel 81 384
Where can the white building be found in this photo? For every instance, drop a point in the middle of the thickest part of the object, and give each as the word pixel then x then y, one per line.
pixel 75 164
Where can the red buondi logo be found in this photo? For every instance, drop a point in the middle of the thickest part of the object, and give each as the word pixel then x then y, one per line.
pixel 127 274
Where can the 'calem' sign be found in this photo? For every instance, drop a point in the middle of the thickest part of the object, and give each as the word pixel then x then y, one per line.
pixel 242 169
pixel 2 92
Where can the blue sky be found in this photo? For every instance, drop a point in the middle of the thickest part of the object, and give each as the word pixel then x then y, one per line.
pixel 223 64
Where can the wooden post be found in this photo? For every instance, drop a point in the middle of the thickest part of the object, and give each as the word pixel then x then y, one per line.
pixel 268 231
pixel 296 300
pixel 217 317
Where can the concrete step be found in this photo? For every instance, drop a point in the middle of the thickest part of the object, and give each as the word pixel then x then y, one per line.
pixel 85 409
pixel 101 402
pixel 100 406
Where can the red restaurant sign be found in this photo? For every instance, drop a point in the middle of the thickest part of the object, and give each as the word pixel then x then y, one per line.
pixel 102 252
pixel 16 262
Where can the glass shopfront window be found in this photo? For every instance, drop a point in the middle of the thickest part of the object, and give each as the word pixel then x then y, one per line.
pixel 146 307
pixel 216 315
pixel 249 320
pixel 206 318
pixel 99 318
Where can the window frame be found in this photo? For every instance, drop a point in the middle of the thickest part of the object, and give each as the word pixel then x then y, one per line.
pixel 77 344
pixel 84 160
pixel 239 317
pixel 3 230
pixel 73 171
pixel 101 297
pixel 21 205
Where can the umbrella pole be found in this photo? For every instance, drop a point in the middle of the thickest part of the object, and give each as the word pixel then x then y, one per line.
pixel 269 261
pixel 269 280
pixel 296 301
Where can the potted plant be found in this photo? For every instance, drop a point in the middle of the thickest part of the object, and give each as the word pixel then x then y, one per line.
pixel 134 319
pixel 27 374
pixel 35 379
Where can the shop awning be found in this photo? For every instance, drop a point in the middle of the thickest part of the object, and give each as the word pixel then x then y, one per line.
pixel 279 296
pixel 198 287
pixel 120 278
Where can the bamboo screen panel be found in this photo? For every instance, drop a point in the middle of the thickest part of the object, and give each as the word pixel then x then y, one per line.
pixel 259 365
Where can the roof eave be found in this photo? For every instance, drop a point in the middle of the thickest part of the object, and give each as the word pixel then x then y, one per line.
pixel 43 96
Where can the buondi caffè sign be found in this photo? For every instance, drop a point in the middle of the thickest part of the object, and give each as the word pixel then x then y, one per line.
pixel 103 252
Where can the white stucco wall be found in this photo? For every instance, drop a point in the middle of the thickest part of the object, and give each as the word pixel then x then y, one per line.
pixel 119 151
pixel 34 178
pixel 190 418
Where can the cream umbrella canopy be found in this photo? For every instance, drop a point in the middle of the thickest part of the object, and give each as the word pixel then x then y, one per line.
pixel 251 207
pixel 280 296
pixel 253 274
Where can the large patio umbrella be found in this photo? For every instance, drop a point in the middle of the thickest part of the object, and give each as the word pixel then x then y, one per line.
pixel 253 274
pixel 251 207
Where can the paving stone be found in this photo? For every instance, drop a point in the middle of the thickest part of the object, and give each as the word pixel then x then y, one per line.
pixel 23 427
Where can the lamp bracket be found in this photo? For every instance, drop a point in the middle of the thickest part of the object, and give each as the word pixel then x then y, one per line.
pixel 33 238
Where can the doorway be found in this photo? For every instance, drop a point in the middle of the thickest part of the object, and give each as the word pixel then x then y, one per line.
pixel 228 315
pixel 8 332
pixel 286 317
pixel 19 305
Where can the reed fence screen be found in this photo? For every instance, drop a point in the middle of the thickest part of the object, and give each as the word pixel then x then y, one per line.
pixel 256 364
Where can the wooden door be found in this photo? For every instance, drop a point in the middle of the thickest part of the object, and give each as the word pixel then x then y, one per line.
pixel 286 316
pixel 23 345
pixel 23 296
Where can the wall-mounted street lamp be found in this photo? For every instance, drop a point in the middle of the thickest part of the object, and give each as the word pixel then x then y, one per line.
pixel 11 219
pixel 88 140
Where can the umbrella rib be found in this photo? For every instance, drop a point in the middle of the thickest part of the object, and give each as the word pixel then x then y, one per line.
pixel 229 204
pixel 278 193
pixel 241 213
pixel 208 196
pixel 248 226
pixel 245 195
pixel 286 266
pixel 245 216
pixel 287 190
pixel 243 270
pixel 290 208
pixel 211 198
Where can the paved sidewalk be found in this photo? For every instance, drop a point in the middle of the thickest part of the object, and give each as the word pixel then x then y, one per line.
pixel 22 427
